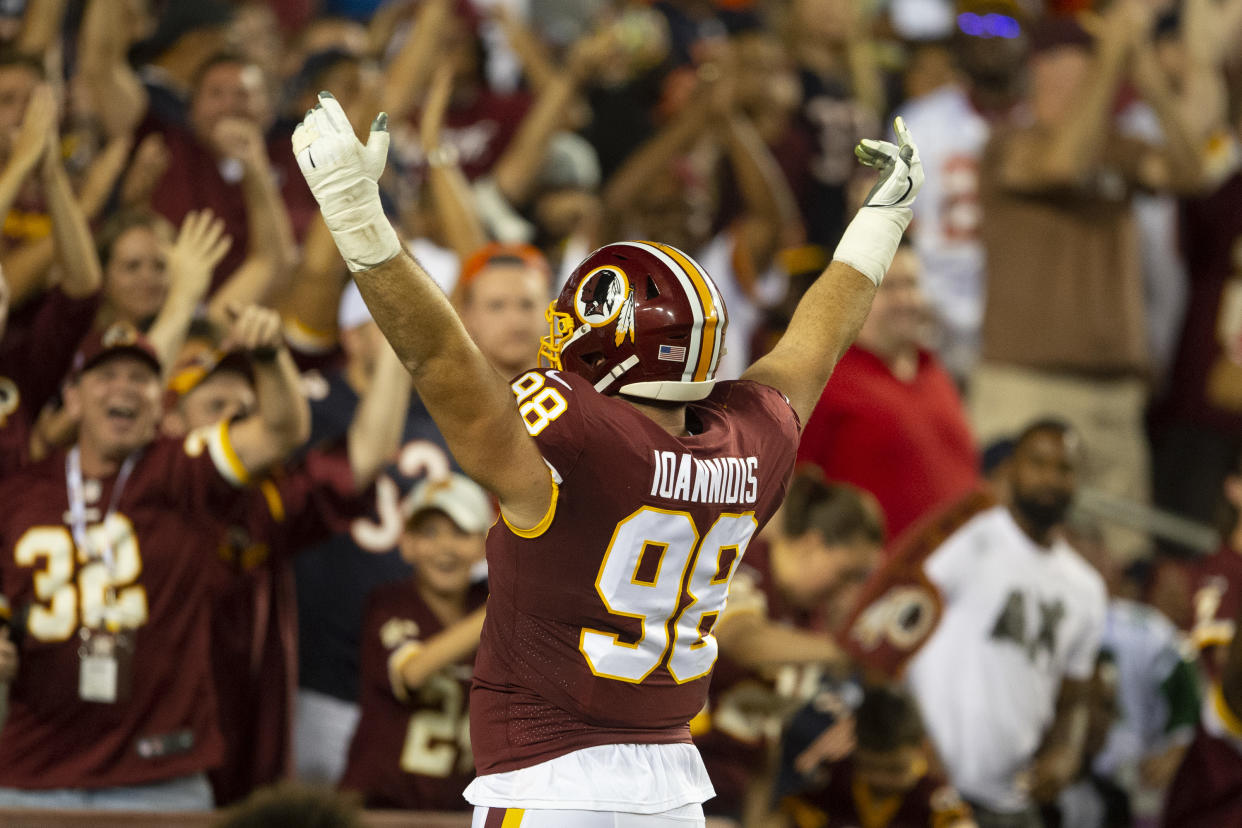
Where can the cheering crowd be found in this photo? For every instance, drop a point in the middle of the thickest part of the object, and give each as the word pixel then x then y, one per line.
pixel 1002 586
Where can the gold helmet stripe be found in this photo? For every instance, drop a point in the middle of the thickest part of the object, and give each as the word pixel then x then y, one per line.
pixel 709 350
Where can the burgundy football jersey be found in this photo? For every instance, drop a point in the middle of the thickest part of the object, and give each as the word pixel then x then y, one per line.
pixel 254 618
pixel 164 534
pixel 411 749
pixel 1207 791
pixel 599 624
pixel 846 802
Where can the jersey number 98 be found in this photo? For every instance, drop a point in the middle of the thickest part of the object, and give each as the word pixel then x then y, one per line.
pixel 653 553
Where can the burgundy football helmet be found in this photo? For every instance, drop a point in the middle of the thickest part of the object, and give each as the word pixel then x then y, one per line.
pixel 639 318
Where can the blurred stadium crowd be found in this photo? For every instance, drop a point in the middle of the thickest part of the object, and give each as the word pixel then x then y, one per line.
pixel 287 583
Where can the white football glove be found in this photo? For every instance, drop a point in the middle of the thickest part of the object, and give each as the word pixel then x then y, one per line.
pixel 871 239
pixel 342 174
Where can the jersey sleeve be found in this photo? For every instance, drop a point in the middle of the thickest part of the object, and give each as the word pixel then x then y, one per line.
pixel 388 642
pixel 555 408
pixel 1085 647
pixel 204 472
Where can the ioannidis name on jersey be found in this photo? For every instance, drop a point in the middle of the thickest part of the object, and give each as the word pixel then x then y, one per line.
pixel 718 480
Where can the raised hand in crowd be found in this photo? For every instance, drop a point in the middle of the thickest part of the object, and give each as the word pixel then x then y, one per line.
pixel 450 194
pixel 200 245
pixel 145 171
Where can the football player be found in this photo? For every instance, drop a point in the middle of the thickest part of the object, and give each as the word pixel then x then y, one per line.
pixel 106 549
pixel 629 484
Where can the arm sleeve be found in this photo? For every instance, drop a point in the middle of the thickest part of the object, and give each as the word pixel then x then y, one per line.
pixel 1085 648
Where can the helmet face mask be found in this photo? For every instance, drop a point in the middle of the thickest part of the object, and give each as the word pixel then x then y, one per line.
pixel 640 319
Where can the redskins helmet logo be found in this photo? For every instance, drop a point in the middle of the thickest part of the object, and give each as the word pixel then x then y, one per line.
pixel 600 295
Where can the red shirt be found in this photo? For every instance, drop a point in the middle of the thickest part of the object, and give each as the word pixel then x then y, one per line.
pixel 907 443
pixel 412 751
pixel 164 534
pixel 598 625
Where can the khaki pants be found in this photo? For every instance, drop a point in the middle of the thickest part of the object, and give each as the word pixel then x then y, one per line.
pixel 1107 413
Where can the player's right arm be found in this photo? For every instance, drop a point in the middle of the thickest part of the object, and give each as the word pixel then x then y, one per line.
pixel 830 314
pixel 472 405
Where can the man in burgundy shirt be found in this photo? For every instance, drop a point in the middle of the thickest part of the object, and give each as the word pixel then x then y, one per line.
pixel 890 420
pixel 107 548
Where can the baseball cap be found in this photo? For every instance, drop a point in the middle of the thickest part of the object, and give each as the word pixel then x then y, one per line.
pixel 457 496
pixel 118 338
pixel 198 361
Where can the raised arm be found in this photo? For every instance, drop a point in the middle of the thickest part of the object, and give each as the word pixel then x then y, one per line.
pixel 410 71
pixel 103 66
pixel 81 273
pixel 830 314
pixel 375 432
pixel 201 244
pixel 282 421
pixel 1074 147
pixel 1177 164
pixel 472 404
pixel 271 250
pixel 450 193
pixel 26 266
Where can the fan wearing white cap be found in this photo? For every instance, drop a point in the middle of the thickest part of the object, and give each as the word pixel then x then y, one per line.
pixel 411 748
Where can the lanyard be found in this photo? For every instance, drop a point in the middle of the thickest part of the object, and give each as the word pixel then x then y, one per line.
pixel 77 504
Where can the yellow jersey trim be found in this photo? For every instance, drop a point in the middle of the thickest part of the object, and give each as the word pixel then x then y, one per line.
pixel 513 817
pixel 542 526
pixel 307 339
pixel 275 505
pixel 1227 716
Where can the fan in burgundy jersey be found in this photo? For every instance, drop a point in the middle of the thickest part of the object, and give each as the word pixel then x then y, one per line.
pixel 412 747
pixel 630 484
pixel 254 618
pixel 775 634
pixel 886 781
pixel 106 567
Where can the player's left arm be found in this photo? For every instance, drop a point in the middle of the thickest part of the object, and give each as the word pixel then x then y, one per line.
pixel 832 311
pixel 472 405
pixel 282 421
pixel 1177 164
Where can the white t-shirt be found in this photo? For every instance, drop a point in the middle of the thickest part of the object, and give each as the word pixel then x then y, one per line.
pixel 1018 618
